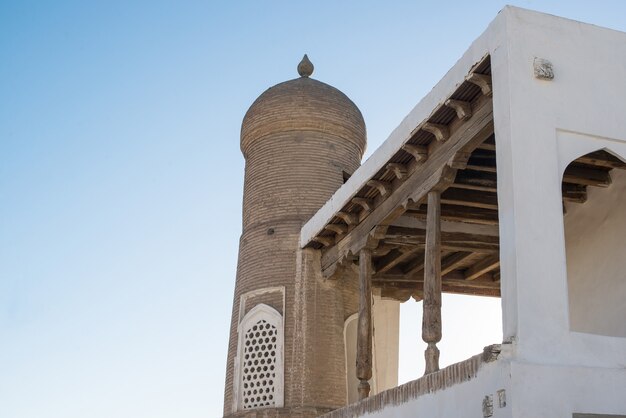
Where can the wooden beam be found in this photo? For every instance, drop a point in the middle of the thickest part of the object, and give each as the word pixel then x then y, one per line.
pixel 587 176
pixel 574 193
pixel 487 146
pixel 459 160
pixel 393 258
pixel 452 261
pixel 461 214
pixel 470 198
pixel 451 279
pixel 450 241
pixel 469 186
pixel 463 109
pixel 602 159
pixel 418 183
pixel 483 166
pixel 416 289
pixel 415 267
pixel 341 269
pixel 364 336
pixel 480 181
pixel 418 152
pixel 484 266
pixel 431 320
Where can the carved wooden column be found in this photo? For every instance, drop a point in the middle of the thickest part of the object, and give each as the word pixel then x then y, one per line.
pixel 431 323
pixel 364 335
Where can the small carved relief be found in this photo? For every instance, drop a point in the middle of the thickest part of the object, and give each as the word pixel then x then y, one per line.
pixel 501 398
pixel 543 69
pixel 488 406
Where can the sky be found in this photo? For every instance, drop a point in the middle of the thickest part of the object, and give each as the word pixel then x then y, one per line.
pixel 121 181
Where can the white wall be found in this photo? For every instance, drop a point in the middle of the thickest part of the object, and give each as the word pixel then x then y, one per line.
pixel 559 392
pixel 385 348
pixel 464 400
pixel 595 237
pixel 540 126
pixel 386 342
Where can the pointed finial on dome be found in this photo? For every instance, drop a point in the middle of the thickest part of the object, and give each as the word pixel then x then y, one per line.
pixel 305 68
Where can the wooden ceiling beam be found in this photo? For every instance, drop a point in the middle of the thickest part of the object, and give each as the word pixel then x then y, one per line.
pixel 415 266
pixel 461 214
pixel 470 198
pixel 394 258
pixel 480 167
pixel 450 241
pixel 574 193
pixel 472 180
pixel 484 266
pixel 431 174
pixel 452 261
pixel 402 291
pixel 587 176
pixel 484 282
pixel 487 146
pixel 602 159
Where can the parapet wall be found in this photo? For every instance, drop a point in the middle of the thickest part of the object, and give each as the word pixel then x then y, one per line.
pixel 422 396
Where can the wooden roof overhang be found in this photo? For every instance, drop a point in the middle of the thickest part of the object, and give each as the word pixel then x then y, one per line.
pixel 385 213
pixel 452 151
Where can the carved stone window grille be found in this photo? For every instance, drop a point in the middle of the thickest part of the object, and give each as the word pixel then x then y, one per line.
pixel 259 364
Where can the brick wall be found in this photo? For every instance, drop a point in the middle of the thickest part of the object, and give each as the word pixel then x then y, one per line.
pixel 298 138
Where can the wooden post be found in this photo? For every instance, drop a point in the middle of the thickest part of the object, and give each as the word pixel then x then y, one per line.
pixel 431 323
pixel 364 336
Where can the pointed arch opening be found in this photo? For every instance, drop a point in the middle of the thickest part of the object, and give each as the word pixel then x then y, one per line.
pixel 594 208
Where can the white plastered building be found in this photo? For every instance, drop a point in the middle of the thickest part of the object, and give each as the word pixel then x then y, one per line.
pixel 551 106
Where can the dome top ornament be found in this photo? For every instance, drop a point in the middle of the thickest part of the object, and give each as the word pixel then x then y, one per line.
pixel 305 68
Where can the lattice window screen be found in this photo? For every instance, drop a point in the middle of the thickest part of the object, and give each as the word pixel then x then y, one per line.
pixel 259 363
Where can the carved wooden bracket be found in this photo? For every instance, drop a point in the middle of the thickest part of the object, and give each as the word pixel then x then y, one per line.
pixel 459 160
pixel 399 170
pixel 418 152
pixel 441 132
pixel 348 218
pixel 366 204
pixel 463 109
pixel 481 80
pixel 383 187
pixel 337 228
pixel 325 241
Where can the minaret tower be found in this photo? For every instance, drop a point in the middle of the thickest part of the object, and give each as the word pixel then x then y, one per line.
pixel 286 353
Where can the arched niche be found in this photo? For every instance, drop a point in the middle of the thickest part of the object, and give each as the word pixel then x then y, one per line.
pixel 594 207
pixel 259 363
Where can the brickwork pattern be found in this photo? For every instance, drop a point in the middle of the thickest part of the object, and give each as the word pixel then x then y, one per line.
pixel 297 138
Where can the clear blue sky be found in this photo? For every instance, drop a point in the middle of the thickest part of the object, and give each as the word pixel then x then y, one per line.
pixel 121 179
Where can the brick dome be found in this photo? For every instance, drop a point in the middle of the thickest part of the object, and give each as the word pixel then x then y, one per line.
pixel 303 104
